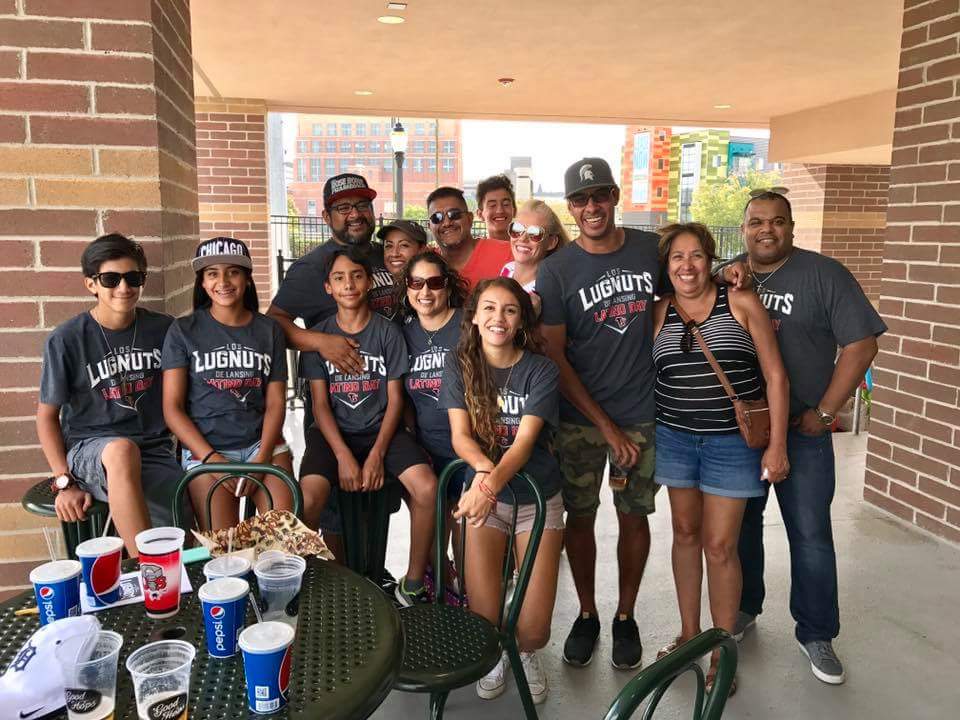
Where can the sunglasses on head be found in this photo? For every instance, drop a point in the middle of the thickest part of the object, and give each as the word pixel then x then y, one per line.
pixel 451 214
pixel 134 278
pixel 534 232
pixel 776 190
pixel 600 195
pixel 437 282
pixel 686 340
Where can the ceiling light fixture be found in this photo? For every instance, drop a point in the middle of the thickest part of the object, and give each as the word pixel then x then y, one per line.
pixel 722 106
pixel 505 81
pixel 363 92
pixel 396 6
pixel 390 19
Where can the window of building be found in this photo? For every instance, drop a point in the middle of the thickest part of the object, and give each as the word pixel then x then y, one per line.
pixel 301 146
pixel 315 146
pixel 360 146
pixel 302 170
pixel 330 167
pixel 315 168
pixel 420 129
pixel 418 165
pixel 344 164
pixel 388 163
pixel 690 158
pixel 375 129
pixel 449 146
pixel 318 128
pixel 433 128
pixel 432 146
pixel 447 164
pixel 361 129
pixel 418 146
pixel 346 146
pixel 345 129
pixel 432 164
pixel 331 128
pixel 374 146
pixel 659 163
pixel 663 135
pixel 311 207
pixel 331 146
pixel 659 192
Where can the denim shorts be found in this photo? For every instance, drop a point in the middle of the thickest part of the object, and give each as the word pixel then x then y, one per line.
pixel 243 455
pixel 715 464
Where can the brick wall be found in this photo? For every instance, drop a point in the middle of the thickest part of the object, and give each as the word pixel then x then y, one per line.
pixel 232 176
pixel 840 211
pixel 913 454
pixel 96 135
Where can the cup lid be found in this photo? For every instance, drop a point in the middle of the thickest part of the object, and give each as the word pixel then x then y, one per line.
pixel 278 568
pixel 266 637
pixel 55 571
pixel 98 546
pixel 223 589
pixel 160 540
pixel 226 565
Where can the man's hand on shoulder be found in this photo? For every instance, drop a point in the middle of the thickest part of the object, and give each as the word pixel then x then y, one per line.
pixel 736 275
pixel 342 351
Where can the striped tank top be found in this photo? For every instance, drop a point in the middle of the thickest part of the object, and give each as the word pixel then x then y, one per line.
pixel 688 393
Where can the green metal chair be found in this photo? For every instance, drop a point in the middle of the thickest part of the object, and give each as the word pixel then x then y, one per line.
pixel 449 647
pixel 656 679
pixel 40 500
pixel 232 471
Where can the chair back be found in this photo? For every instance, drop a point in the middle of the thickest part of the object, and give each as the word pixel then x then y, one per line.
pixel 509 623
pixel 244 471
pixel 656 679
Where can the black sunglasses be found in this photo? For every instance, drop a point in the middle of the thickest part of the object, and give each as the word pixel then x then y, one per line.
pixel 600 195
pixel 134 278
pixel 686 340
pixel 451 214
pixel 437 282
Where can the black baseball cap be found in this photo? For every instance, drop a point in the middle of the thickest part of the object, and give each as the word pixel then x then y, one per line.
pixel 222 251
pixel 586 174
pixel 413 229
pixel 339 186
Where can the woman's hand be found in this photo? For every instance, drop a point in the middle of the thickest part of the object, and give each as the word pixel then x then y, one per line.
pixel 474 505
pixel 775 464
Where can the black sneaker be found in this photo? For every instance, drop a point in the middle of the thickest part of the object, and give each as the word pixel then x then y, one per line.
pixel 627 650
pixel 409 598
pixel 578 649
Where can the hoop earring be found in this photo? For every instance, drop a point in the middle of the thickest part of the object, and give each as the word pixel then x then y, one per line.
pixel 524 342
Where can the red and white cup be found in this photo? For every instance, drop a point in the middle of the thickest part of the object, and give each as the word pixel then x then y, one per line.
pixel 160 569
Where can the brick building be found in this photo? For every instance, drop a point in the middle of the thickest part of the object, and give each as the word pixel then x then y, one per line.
pixel 645 175
pixel 330 144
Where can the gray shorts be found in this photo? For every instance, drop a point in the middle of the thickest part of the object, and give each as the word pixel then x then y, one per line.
pixel 159 474
pixel 501 518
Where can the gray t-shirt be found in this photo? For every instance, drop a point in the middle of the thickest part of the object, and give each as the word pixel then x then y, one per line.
pixel 606 303
pixel 301 293
pixel 106 387
pixel 530 388
pixel 815 304
pixel 360 401
pixel 229 369
pixel 427 353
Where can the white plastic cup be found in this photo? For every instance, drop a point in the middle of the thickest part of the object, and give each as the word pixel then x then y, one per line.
pixel 161 679
pixel 279 580
pixel 90 676
pixel 227 566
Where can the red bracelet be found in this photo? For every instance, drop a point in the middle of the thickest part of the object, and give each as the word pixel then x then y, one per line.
pixel 491 496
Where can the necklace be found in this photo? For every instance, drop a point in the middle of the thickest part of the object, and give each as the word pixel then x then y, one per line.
pixel 506 385
pixel 759 283
pixel 431 335
pixel 126 395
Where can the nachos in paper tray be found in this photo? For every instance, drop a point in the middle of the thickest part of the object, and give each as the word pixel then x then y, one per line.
pixel 274 530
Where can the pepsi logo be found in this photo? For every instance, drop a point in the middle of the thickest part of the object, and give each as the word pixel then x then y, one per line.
pixel 105 573
pixel 46 592
pixel 217 612
pixel 283 678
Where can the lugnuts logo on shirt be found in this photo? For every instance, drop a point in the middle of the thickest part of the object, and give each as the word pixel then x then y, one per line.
pixel 354 390
pixel 426 372
pixel 616 298
pixel 510 405
pixel 126 374
pixel 234 368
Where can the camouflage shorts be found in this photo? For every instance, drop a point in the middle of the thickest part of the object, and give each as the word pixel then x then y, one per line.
pixel 583 455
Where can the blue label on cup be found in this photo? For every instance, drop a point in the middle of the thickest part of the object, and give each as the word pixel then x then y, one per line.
pixel 268 679
pixel 223 622
pixel 58 599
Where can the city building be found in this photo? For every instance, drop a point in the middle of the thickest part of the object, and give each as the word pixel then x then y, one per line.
pixel 327 145
pixel 645 168
pixel 521 175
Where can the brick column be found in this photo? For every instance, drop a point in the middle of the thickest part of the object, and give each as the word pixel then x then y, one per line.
pixel 232 168
pixel 96 135
pixel 913 455
pixel 840 211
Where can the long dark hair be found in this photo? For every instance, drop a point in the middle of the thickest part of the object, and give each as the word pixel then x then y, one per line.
pixel 201 300
pixel 480 388
pixel 457 291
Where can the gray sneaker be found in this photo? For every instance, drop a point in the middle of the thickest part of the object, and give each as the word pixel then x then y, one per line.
pixel 824 663
pixel 745 621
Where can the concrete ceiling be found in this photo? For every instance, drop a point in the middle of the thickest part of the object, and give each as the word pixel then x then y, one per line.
pixel 595 61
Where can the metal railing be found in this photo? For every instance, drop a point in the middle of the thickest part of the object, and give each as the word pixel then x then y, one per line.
pixel 294 236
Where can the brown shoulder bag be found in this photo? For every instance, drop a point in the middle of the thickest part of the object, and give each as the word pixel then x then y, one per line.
pixel 753 416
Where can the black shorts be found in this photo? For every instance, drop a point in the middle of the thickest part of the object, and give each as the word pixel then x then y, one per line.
pixel 402 453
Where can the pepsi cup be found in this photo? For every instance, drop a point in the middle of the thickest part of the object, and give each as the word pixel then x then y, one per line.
pixel 267 656
pixel 224 603
pixel 160 568
pixel 100 559
pixel 57 587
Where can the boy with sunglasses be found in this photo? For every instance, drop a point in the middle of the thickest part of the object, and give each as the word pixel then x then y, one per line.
pixel 100 415
pixel 451 224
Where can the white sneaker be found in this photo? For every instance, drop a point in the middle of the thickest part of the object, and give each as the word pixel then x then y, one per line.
pixel 493 684
pixel 536 678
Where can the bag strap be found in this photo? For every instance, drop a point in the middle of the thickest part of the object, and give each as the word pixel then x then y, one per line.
pixel 727 387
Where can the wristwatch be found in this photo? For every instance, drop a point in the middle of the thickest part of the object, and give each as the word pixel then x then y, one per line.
pixel 61 482
pixel 826 419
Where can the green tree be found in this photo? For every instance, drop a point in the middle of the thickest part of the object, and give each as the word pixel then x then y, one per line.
pixel 414 212
pixel 721 203
pixel 294 231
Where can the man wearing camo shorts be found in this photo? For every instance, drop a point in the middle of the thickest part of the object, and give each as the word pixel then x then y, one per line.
pixel 597 295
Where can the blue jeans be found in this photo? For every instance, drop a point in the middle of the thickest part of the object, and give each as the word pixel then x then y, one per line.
pixel 804 499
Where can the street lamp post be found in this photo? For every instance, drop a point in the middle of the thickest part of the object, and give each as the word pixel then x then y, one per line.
pixel 398 140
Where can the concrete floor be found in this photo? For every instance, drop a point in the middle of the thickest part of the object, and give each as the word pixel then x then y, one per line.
pixel 900 641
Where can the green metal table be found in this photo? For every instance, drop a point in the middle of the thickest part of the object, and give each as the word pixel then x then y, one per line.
pixel 348 650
